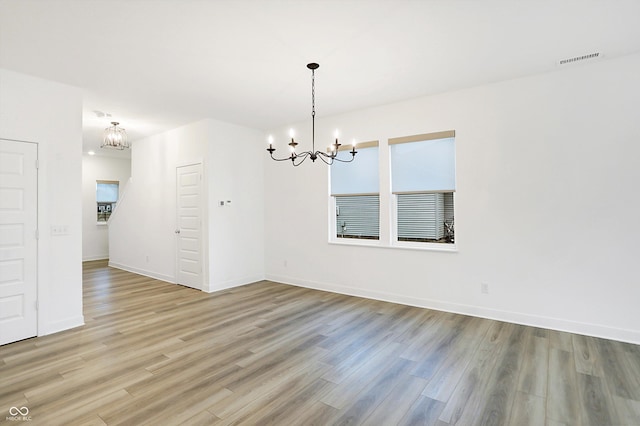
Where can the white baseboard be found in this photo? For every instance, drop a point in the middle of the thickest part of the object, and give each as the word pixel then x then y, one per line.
pixel 144 272
pixel 96 257
pixel 559 324
pixel 62 325
pixel 232 283
pixel 206 288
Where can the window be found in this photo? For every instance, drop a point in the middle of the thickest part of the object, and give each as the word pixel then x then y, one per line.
pixel 423 184
pixel 425 217
pixel 106 198
pixel 357 216
pixel 355 195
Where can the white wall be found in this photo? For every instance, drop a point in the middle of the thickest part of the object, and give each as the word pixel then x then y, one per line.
pixel 95 236
pixel 141 230
pixel 142 237
pixel 546 211
pixel 236 231
pixel 50 114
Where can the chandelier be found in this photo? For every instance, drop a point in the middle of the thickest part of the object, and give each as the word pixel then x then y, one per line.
pixel 328 157
pixel 115 137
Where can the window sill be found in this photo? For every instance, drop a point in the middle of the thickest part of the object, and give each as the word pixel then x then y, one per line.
pixel 101 223
pixel 439 247
pixel 356 242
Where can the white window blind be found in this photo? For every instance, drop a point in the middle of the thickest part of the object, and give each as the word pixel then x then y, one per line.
pixel 355 188
pixel 107 191
pixel 359 176
pixel 427 165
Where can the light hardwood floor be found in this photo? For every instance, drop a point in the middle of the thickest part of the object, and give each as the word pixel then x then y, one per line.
pixel 161 354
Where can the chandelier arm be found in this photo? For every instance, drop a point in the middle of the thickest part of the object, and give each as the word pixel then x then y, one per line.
pixel 345 161
pixel 280 159
pixel 302 156
pixel 322 156
pixel 335 157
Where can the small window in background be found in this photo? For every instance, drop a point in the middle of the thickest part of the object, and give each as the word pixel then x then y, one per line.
pixel 355 192
pixel 423 184
pixel 106 198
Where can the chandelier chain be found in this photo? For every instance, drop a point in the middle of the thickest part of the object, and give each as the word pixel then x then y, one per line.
pixel 313 93
pixel 313 110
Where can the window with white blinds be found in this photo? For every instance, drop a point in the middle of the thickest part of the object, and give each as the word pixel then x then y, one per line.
pixel 358 216
pixel 425 217
pixel 355 193
pixel 423 184
pixel 106 198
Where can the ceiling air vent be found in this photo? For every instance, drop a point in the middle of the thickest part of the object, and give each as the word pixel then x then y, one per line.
pixel 579 58
pixel 101 114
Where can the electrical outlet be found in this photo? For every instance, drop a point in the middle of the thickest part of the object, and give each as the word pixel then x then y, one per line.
pixel 484 288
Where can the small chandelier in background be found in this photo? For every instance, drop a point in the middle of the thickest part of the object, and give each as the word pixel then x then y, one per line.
pixel 328 157
pixel 115 137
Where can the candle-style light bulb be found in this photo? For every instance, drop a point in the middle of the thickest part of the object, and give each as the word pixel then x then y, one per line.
pixel 270 140
pixel 291 133
pixel 353 142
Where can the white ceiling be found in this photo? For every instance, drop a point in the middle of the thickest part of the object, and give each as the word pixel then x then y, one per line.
pixel 155 65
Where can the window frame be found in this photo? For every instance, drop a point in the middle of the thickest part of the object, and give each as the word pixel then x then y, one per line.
pixel 388 229
pixel 419 245
pixel 424 245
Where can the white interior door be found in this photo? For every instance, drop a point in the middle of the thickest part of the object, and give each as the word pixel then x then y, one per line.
pixel 189 220
pixel 18 240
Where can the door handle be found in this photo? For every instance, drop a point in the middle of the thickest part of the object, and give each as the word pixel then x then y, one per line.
pixel 177 231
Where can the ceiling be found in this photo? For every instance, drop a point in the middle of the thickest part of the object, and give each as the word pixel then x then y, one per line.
pixel 156 65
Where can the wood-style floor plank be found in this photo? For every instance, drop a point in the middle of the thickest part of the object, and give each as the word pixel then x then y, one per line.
pixel 377 390
pixel 597 405
pixel 458 356
pixel 502 386
pixel 585 356
pixel 398 401
pixel 424 411
pixel 563 402
pixel 533 372
pixel 153 353
pixel 469 397
pixel 528 409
